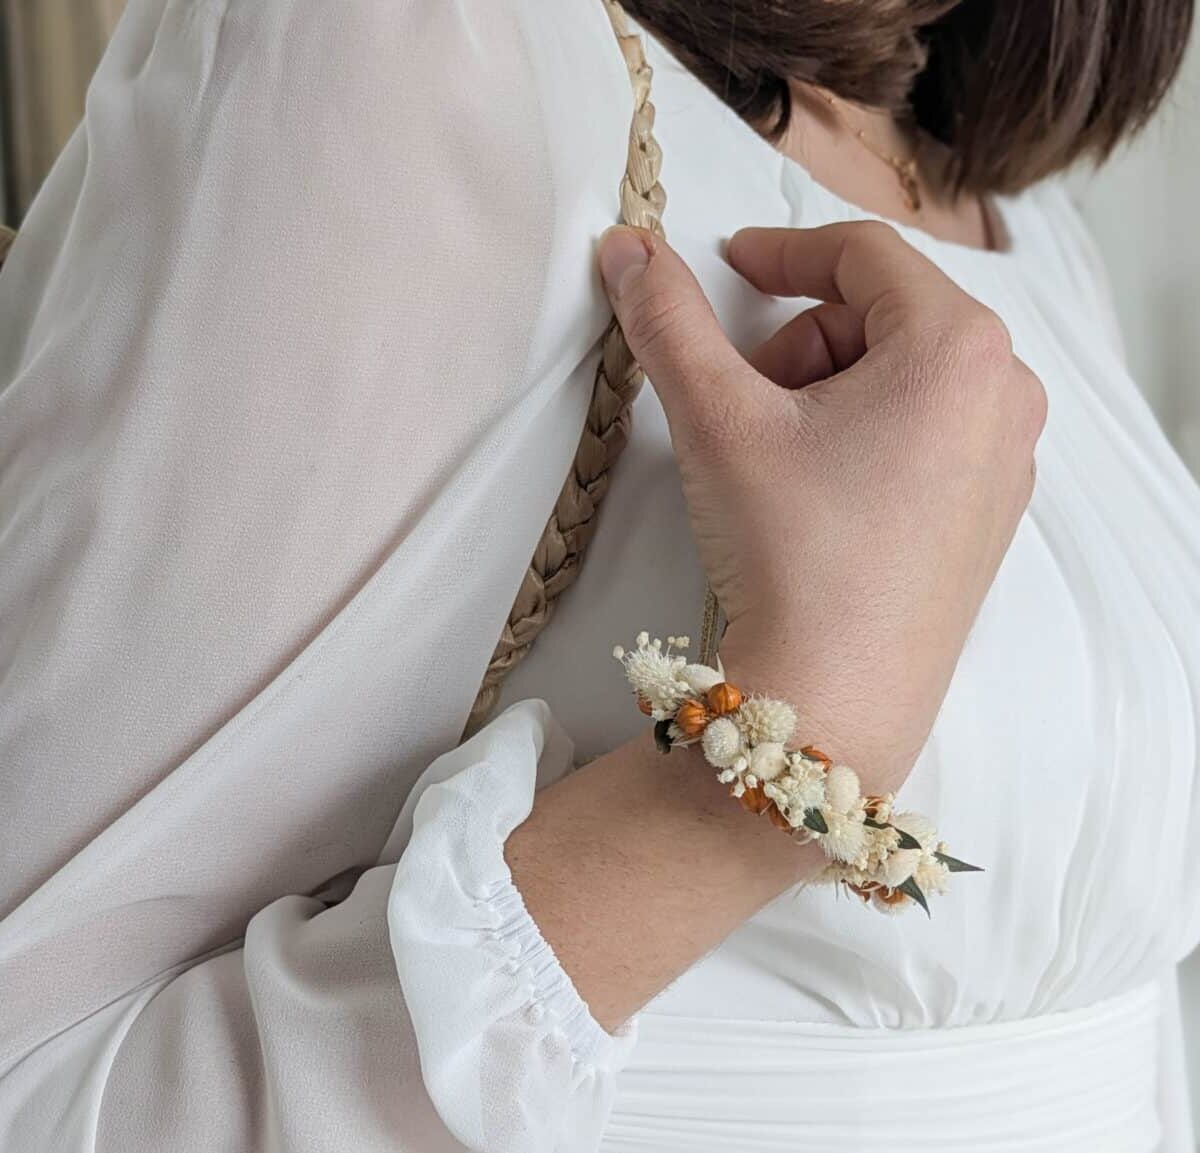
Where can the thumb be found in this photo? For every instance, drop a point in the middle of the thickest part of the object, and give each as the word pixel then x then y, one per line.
pixel 666 318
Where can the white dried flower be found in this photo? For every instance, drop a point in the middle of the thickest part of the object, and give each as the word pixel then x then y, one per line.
pixel 846 839
pixel 700 678
pixel 765 721
pixel 883 808
pixel 768 760
pixel 722 743
pixel 841 788
pixel 738 788
pixel 835 873
pixel 773 791
pixel 654 674
pixel 880 842
pixel 726 775
pixel 931 875
pixel 800 788
pixel 916 825
pixel 898 867
pixel 801 765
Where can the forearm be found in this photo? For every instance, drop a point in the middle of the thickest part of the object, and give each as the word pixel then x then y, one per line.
pixel 638 864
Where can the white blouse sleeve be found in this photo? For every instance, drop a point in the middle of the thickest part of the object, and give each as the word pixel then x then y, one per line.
pixel 512 1057
pixel 296 346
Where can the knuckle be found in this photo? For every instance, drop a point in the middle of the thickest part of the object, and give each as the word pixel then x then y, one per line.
pixel 873 235
pixel 983 339
pixel 1032 404
pixel 867 241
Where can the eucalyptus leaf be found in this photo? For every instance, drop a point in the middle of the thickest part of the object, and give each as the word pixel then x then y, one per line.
pixel 957 866
pixel 910 888
pixel 815 821
pixel 907 840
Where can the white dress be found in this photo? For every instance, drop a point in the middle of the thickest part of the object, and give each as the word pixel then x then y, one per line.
pixel 295 349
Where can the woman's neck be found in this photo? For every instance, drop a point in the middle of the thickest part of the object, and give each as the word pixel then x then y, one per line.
pixel 823 136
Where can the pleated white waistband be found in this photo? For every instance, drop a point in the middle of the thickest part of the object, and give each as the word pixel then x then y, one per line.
pixel 1082 1081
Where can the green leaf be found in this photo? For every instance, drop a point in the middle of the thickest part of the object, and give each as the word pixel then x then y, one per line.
pixel 955 865
pixel 910 888
pixel 907 840
pixel 815 821
pixel 662 741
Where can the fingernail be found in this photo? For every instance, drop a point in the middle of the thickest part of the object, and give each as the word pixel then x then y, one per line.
pixel 623 254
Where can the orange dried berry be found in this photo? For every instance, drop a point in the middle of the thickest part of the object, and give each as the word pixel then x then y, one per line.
pixel 755 800
pixel 692 718
pixel 891 896
pixel 644 705
pixel 724 698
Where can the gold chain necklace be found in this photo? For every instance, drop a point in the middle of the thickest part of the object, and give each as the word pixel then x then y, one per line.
pixel 905 169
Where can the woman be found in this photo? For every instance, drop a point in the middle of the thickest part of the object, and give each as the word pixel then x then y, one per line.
pixel 299 338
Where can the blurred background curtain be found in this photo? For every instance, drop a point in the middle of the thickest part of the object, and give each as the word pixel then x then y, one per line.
pixel 49 50
pixel 1144 210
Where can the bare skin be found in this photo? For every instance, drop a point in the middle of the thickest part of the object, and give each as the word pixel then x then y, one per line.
pixel 823 138
pixel 853 485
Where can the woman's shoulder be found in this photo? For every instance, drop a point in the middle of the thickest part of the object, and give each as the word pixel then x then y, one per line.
pixel 500 93
pixel 490 121
pixel 514 66
pixel 412 151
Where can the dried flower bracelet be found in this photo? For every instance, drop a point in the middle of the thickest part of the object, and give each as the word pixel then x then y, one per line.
pixel 891 859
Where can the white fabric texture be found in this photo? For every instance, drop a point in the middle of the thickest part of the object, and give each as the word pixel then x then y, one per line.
pixel 983 1087
pixel 295 349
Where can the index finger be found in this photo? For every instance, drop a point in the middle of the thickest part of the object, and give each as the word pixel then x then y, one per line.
pixel 864 264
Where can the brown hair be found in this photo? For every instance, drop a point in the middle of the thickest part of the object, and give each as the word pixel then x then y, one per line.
pixel 1016 89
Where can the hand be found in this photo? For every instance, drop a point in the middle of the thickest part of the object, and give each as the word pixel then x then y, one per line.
pixel 853 484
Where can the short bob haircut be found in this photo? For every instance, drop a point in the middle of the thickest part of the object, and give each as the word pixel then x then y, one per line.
pixel 1015 89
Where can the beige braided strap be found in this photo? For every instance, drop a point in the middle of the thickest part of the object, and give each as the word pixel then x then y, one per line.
pixel 568 532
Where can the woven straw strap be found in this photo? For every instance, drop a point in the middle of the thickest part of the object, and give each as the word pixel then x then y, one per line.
pixel 569 530
pixel 572 524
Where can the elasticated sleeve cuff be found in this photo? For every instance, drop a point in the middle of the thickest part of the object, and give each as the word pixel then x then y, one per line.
pixel 511 1055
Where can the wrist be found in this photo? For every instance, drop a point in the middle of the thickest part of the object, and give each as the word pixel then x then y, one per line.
pixel 887 857
pixel 848 729
pixel 684 780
